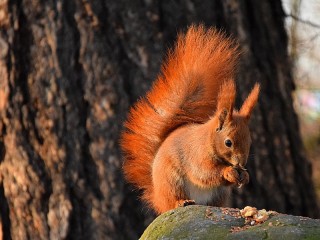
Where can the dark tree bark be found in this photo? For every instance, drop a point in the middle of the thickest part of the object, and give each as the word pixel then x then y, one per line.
pixel 69 70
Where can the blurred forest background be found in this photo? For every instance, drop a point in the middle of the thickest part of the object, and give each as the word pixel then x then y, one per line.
pixel 303 27
pixel 69 72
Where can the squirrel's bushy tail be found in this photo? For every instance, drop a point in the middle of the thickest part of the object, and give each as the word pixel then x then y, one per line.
pixel 185 91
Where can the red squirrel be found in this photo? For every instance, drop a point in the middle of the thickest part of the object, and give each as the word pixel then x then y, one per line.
pixel 184 143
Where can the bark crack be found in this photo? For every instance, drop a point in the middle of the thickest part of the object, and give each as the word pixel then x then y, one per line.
pixel 4 214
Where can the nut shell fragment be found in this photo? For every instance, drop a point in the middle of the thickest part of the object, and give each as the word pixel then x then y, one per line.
pixel 262 216
pixel 248 211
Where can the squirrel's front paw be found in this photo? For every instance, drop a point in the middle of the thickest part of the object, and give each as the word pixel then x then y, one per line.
pixel 236 176
pixel 244 178
pixel 231 175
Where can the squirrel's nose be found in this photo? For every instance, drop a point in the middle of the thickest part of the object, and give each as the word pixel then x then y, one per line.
pixel 235 161
pixel 238 162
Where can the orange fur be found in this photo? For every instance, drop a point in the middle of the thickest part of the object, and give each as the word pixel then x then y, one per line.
pixel 171 143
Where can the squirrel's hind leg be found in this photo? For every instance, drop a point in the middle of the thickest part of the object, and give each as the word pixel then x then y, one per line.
pixel 184 203
pixel 168 186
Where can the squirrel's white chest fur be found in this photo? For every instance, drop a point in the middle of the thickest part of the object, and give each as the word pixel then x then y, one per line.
pixel 203 196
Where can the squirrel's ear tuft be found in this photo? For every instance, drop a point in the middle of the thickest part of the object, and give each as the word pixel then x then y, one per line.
pixel 250 102
pixel 225 102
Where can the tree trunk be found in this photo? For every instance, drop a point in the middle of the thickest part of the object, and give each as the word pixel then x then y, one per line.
pixel 69 71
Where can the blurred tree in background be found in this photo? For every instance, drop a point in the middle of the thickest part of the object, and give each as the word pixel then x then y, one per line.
pixel 69 72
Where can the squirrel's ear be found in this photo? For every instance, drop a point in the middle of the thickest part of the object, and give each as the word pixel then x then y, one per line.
pixel 250 102
pixel 225 102
pixel 222 118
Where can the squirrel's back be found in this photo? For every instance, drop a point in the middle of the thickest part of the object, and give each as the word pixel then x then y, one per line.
pixel 185 92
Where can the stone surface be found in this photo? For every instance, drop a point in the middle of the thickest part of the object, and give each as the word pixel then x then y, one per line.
pixel 203 222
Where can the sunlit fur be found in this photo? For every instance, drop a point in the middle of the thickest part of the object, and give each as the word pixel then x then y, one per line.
pixel 173 141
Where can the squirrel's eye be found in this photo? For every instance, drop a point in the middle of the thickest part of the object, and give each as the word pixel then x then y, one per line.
pixel 228 142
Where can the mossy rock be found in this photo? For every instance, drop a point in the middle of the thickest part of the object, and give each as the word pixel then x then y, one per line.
pixel 203 222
